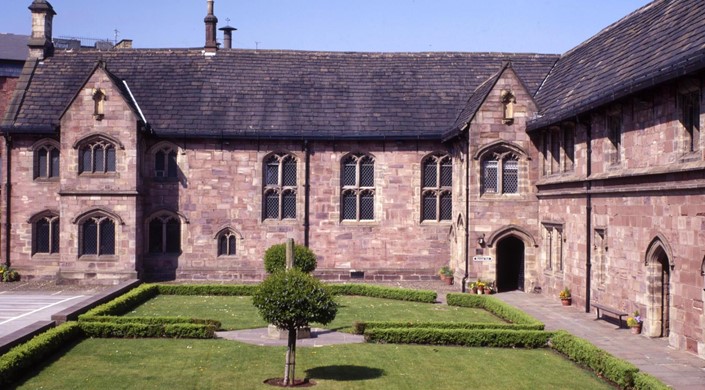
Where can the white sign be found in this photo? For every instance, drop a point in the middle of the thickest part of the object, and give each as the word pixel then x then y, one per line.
pixel 482 258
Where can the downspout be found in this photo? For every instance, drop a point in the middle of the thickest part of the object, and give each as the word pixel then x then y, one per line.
pixel 467 213
pixel 8 190
pixel 588 217
pixel 307 191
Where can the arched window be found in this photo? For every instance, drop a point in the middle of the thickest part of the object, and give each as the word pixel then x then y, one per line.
pixel 97 236
pixel 164 234
pixel 358 187
pixel 227 246
pixel 279 187
pixel 437 182
pixel 97 156
pixel 500 173
pixel 46 161
pixel 45 234
pixel 165 166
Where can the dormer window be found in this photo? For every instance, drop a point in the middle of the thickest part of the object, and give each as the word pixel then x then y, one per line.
pixel 98 104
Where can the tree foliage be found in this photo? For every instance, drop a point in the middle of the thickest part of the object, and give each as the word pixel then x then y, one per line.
pixel 291 299
pixel 275 258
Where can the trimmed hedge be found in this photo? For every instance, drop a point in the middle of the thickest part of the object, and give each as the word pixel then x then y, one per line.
pixel 33 352
pixel 401 294
pixel 137 330
pixel 463 337
pixel 494 306
pixel 208 289
pixel 275 258
pixel 150 320
pixel 126 302
pixel 600 361
pixel 643 381
pixel 359 327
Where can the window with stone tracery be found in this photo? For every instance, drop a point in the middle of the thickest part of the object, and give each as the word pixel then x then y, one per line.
pixel 46 161
pixel 45 235
pixel 500 173
pixel 164 234
pixel 227 243
pixel 436 192
pixel 97 156
pixel 553 246
pixel 358 188
pixel 97 236
pixel 280 190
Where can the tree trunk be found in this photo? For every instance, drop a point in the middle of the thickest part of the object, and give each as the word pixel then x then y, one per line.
pixel 290 366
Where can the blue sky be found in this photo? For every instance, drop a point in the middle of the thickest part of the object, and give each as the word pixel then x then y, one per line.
pixel 542 26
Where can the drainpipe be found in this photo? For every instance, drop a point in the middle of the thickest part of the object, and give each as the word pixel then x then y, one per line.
pixel 307 191
pixel 8 190
pixel 467 213
pixel 588 218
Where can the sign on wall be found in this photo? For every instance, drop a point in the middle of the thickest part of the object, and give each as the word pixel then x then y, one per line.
pixel 482 258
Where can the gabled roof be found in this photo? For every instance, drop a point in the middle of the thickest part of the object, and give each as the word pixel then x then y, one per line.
pixel 284 94
pixel 658 42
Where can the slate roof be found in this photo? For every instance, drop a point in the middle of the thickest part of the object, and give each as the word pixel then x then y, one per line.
pixel 660 41
pixel 13 47
pixel 290 94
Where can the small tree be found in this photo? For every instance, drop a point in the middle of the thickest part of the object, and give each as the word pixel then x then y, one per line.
pixel 292 299
pixel 275 258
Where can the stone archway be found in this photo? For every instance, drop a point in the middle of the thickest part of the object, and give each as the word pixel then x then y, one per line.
pixel 510 264
pixel 659 265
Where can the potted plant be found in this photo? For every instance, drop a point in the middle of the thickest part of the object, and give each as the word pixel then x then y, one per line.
pixel 480 286
pixel 446 274
pixel 472 287
pixel 566 298
pixel 489 288
pixel 635 322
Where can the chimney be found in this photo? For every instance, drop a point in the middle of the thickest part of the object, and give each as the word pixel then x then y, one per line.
pixel 211 22
pixel 228 36
pixel 40 43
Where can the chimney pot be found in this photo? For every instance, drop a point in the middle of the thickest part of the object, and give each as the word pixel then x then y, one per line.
pixel 228 36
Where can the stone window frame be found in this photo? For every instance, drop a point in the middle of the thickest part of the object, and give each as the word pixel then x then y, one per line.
pixel 558 149
pixel 600 259
pixel 51 217
pixel 689 106
pixel 358 191
pixel 553 248
pixel 438 191
pixel 99 97
pixel 502 153
pixel 47 145
pixel 614 134
pixel 232 246
pixel 98 216
pixel 166 175
pixel 161 219
pixel 281 190
pixel 95 141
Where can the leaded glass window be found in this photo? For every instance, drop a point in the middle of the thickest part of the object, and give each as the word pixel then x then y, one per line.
pixel 46 235
pixel 98 236
pixel 46 162
pixel 280 178
pixel 437 185
pixel 358 188
pixel 97 157
pixel 165 234
pixel 165 165
pixel 500 173
pixel 227 244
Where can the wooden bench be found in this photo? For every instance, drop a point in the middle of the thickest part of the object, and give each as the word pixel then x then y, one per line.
pixel 617 312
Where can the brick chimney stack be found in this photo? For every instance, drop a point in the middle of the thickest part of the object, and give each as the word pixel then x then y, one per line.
pixel 40 42
pixel 227 36
pixel 211 22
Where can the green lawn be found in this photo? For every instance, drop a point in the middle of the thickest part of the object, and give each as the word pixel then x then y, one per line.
pixel 238 312
pixel 220 364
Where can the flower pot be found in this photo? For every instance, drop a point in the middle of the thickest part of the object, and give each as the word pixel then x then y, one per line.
pixel 566 301
pixel 473 290
pixel 636 329
pixel 447 279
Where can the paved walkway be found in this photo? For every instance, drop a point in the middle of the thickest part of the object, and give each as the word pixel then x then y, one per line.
pixel 680 370
pixel 21 309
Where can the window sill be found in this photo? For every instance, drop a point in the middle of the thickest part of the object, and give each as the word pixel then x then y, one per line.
pixel 46 256
pixel 362 222
pixel 429 222
pixel 693 156
pixel 46 179
pixel 98 258
pixel 285 221
pixel 92 175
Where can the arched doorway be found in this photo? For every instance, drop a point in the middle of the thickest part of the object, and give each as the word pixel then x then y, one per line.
pixel 658 315
pixel 510 264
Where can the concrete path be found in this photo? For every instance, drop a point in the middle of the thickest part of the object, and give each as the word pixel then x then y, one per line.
pixel 21 309
pixel 680 370
pixel 319 338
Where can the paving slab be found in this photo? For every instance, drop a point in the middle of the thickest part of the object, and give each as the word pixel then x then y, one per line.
pixel 21 309
pixel 678 369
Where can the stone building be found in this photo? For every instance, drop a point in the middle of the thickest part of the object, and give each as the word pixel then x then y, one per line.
pixel 536 171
